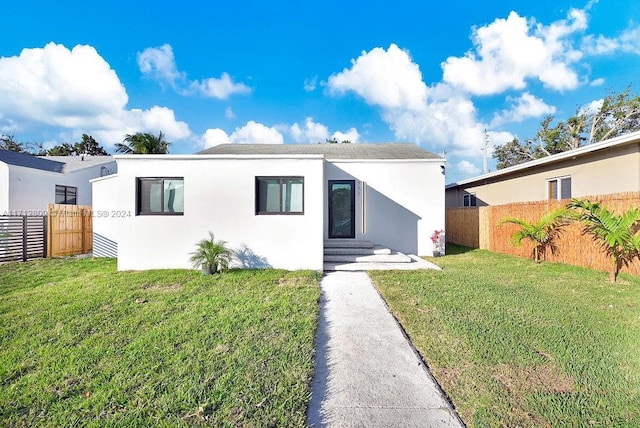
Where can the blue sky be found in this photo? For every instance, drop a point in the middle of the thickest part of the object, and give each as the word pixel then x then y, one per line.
pixel 207 73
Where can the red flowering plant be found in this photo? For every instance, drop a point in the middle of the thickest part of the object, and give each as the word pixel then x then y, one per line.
pixel 436 238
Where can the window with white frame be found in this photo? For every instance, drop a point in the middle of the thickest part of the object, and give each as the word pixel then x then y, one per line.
pixel 559 188
pixel 469 200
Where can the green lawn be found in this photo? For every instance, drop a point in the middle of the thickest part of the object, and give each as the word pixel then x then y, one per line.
pixel 85 345
pixel 518 344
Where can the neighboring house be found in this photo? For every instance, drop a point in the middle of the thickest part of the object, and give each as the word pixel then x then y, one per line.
pixel 29 183
pixel 611 166
pixel 274 204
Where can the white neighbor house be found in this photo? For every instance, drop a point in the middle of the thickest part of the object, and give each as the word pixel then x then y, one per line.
pixel 29 183
pixel 275 205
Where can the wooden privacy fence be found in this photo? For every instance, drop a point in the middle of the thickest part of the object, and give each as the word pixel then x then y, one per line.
pixel 477 227
pixel 22 237
pixel 70 230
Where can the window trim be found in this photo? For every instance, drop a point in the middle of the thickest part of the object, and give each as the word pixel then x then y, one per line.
pixel 139 211
pixel 66 188
pixel 470 195
pixel 558 180
pixel 281 181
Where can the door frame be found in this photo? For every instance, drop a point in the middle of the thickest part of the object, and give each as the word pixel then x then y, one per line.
pixel 352 183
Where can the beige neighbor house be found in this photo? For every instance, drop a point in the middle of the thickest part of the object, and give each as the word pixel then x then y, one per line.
pixel 606 167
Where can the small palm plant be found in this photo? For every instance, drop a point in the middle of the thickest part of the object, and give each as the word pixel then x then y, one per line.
pixel 617 234
pixel 543 233
pixel 213 256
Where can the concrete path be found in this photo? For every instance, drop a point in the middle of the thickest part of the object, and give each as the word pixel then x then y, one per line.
pixel 367 374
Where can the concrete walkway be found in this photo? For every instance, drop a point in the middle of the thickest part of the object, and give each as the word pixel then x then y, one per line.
pixel 367 374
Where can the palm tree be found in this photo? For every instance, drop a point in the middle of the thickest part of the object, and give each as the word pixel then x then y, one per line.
pixel 211 255
pixel 143 143
pixel 617 234
pixel 543 233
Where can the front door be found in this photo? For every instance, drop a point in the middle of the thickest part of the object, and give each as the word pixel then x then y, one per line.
pixel 342 209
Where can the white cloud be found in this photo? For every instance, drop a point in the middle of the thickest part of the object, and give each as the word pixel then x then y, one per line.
pixel 310 132
pixel 597 82
pixel 220 88
pixel 628 41
pixel 159 64
pixel 467 167
pixel 524 107
pixel 75 90
pixel 509 51
pixel 351 135
pixel 592 107
pixel 388 78
pixel 251 133
pixel 214 137
pixel 228 113
pixel 310 84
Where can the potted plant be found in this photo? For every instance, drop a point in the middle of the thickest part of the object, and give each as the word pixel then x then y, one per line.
pixel 211 255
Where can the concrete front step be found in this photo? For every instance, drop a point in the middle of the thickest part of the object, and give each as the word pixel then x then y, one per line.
pixel 375 258
pixel 347 243
pixel 376 250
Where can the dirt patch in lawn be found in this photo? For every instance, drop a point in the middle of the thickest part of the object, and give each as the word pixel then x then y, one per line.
pixel 545 377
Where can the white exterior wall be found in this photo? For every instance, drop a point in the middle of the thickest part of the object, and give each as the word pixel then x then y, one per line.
pixel 403 204
pixel 4 188
pixel 33 189
pixel 219 196
pixel 105 218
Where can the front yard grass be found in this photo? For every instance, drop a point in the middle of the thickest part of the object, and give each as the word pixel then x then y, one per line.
pixel 515 343
pixel 85 345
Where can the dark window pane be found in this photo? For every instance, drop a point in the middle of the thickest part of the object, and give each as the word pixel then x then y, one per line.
pixel 60 196
pixel 565 188
pixel 269 195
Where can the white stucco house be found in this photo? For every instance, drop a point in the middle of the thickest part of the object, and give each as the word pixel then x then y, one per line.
pixel 29 183
pixel 275 205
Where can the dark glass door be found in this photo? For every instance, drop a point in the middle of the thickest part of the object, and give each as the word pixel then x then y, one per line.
pixel 342 209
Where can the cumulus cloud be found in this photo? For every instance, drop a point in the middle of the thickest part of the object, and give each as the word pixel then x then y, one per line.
pixel 75 90
pixel 509 51
pixel 438 115
pixel 251 133
pixel 159 64
pixel 309 132
pixel 597 82
pixel 467 167
pixel 388 78
pixel 351 135
pixel 524 107
pixel 628 42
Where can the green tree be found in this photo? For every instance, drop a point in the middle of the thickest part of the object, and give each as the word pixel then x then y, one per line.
pixel 88 145
pixel 64 149
pixel 617 234
pixel 211 255
pixel 8 142
pixel 543 233
pixel 514 152
pixel 143 143
pixel 618 114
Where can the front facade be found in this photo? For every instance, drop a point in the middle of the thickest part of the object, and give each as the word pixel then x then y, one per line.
pixel 29 183
pixel 275 205
pixel 611 166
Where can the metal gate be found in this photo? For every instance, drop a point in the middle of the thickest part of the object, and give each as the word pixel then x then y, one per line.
pixel 23 237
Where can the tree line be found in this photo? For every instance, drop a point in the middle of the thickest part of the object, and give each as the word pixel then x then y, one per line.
pixel 619 114
pixel 138 143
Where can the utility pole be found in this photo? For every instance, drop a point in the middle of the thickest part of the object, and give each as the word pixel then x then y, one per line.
pixel 485 150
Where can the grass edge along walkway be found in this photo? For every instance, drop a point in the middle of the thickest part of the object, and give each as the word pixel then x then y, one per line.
pixel 515 343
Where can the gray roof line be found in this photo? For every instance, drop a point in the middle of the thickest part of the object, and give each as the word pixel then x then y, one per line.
pixel 353 151
pixel 30 161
